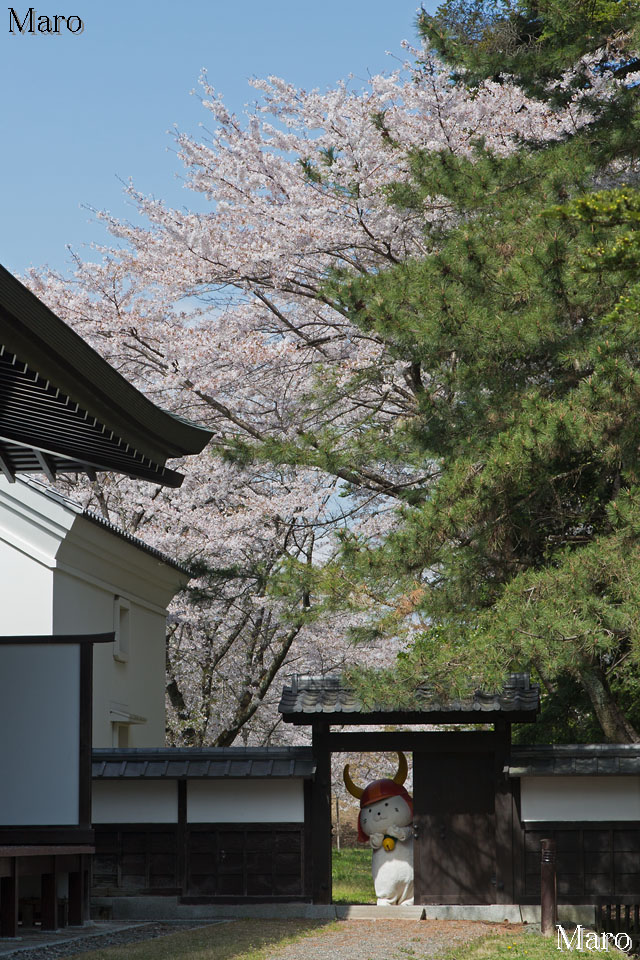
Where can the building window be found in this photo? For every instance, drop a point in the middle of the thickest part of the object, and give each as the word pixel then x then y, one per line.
pixel 122 629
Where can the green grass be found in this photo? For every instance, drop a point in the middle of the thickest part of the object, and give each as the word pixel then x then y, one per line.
pixel 352 881
pixel 517 946
pixel 240 940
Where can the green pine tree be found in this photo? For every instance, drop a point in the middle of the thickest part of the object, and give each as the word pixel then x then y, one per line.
pixel 522 330
pixel 519 546
pixel 535 41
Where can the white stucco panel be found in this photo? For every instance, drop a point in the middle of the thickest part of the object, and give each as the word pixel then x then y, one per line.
pixel 40 744
pixel 580 798
pixel 245 801
pixel 139 683
pixel 135 801
pixel 27 592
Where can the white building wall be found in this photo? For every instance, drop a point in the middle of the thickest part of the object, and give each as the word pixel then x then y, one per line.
pixel 245 801
pixel 135 686
pixel 134 801
pixel 580 798
pixel 27 592
pixel 60 573
pixel 40 746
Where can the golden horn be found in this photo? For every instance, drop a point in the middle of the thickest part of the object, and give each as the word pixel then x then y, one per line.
pixel 403 770
pixel 350 785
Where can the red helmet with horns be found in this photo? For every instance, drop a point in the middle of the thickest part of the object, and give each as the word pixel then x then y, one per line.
pixel 379 790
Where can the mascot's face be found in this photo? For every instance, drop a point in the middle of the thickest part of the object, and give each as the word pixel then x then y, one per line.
pixel 378 817
pixel 383 803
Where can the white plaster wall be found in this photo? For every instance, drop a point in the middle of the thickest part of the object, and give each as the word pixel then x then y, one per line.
pixel 139 683
pixel 135 801
pixel 580 798
pixel 60 573
pixel 27 591
pixel 245 801
pixel 30 522
pixel 39 747
pixel 100 554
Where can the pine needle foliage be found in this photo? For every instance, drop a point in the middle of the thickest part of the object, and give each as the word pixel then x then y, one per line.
pixel 523 324
pixel 535 41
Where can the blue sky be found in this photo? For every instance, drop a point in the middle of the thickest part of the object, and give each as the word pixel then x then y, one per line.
pixel 82 112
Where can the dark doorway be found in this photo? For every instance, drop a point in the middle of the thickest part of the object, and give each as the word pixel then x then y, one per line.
pixel 455 826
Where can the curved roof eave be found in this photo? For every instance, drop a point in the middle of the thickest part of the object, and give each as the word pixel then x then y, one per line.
pixel 38 337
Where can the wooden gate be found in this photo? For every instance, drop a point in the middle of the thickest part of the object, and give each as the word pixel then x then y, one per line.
pixel 455 827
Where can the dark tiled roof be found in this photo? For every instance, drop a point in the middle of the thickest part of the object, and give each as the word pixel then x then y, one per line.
pixel 206 763
pixel 581 759
pixel 306 698
pixel 64 409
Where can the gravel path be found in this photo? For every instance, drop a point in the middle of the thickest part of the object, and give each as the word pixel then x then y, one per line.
pixel 350 940
pixel 105 938
pixel 389 940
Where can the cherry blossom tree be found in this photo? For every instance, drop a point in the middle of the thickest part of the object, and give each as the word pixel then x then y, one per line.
pixel 228 318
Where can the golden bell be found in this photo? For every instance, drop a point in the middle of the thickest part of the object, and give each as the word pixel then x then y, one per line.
pixel 388 843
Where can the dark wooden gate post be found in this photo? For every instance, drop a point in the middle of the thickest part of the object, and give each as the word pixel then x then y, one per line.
pixel 504 816
pixel 321 814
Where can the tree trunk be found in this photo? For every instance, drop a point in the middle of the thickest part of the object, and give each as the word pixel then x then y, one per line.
pixel 616 727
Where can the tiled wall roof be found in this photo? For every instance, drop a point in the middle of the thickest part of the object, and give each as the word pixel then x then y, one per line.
pixel 208 763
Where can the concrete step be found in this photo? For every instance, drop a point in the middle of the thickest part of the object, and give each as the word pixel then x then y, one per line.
pixel 169 908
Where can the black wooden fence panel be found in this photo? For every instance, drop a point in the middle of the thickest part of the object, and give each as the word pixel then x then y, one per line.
pixel 595 862
pixel 220 861
pixel 620 918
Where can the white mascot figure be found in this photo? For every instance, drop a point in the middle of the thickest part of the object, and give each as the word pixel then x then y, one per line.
pixel 386 815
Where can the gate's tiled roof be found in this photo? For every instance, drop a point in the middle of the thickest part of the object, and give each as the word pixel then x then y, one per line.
pixel 327 698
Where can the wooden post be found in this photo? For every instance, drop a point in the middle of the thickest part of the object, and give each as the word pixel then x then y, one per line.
pixel 9 903
pixel 337 823
pixel 548 897
pixel 87 882
pixel 504 816
pixel 181 840
pixel 49 898
pixel 309 788
pixel 77 894
pixel 86 698
pixel 321 814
